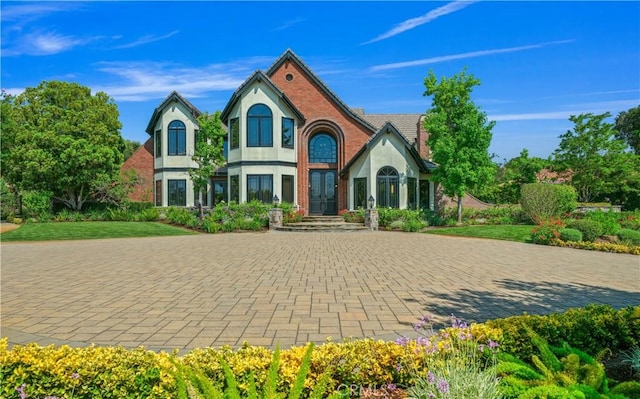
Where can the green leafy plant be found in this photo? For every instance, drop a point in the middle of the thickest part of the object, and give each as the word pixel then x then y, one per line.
pixel 541 201
pixel 568 234
pixel 591 230
pixel 628 235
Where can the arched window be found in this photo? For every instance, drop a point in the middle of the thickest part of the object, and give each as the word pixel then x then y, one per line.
pixel 177 138
pixel 259 126
pixel 388 187
pixel 322 149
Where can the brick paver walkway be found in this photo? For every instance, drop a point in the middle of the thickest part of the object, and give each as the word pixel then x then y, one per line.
pixel 185 292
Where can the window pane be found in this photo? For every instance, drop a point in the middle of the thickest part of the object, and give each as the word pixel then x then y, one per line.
pixel 322 149
pixel 177 137
pixel 158 192
pixel 424 194
pixel 360 192
pixel 219 191
pixel 234 129
pixel 259 126
pixel 234 182
pixel 177 192
pixel 266 186
pixel 253 187
pixel 287 133
pixel 287 189
pixel 158 139
pixel 411 193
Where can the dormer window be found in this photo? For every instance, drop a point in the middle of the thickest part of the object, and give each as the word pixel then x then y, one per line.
pixel 177 137
pixel 259 126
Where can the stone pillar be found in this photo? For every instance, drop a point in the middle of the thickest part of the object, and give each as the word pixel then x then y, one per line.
pixel 275 218
pixel 371 219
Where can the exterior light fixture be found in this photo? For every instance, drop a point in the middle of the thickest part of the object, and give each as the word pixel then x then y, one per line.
pixel 371 202
pixel 276 200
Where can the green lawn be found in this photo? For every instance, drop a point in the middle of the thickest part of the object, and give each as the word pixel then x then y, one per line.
pixel 90 230
pixel 520 233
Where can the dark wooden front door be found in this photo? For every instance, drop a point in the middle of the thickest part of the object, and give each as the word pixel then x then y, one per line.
pixel 323 186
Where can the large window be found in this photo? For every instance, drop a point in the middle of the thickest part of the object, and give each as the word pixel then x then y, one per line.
pixel 259 126
pixel 322 149
pixel 388 187
pixel 219 191
pixel 158 192
pixel 424 194
pixel 287 189
pixel 260 187
pixel 158 139
pixel 234 133
pixel 177 190
pixel 360 192
pixel 412 191
pixel 234 188
pixel 287 133
pixel 177 138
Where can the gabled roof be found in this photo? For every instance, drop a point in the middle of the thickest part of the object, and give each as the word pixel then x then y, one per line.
pixel 258 76
pixel 290 56
pixel 173 97
pixel 424 165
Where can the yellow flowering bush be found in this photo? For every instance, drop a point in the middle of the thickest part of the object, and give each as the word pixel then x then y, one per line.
pixel 600 246
pixel 92 372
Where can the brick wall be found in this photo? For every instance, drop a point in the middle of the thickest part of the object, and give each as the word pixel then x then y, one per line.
pixel 322 114
pixel 142 162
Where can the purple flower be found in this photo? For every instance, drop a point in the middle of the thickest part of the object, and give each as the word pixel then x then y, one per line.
pixel 493 344
pixel 391 387
pixel 20 389
pixel 443 385
pixel 75 376
pixel 402 341
pixel 398 367
pixel 431 395
pixel 431 377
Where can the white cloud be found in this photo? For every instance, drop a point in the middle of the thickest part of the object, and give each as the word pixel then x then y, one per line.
pixel 531 116
pixel 472 54
pixel 46 43
pixel 32 11
pixel 426 18
pixel 288 24
pixel 146 40
pixel 141 81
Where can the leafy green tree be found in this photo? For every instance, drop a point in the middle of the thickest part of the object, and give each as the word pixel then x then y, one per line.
pixel 130 146
pixel 597 160
pixel 628 128
pixel 516 172
pixel 209 153
pixel 459 136
pixel 61 138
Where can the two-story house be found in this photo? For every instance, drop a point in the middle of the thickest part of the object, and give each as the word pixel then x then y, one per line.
pixel 291 136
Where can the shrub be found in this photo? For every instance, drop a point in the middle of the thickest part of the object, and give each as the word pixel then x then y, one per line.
pixel 542 201
pixel 591 230
pixel 356 216
pixel 568 234
pixel 608 221
pixel 37 204
pixel 413 225
pixel 619 248
pixel 628 235
pixel 590 329
pixel 9 205
pixel 547 231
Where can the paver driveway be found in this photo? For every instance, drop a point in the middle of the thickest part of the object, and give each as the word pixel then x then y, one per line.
pixel 209 290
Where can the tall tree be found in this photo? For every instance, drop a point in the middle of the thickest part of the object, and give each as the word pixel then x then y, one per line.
pixel 209 153
pixel 597 160
pixel 130 146
pixel 459 136
pixel 62 139
pixel 518 171
pixel 628 128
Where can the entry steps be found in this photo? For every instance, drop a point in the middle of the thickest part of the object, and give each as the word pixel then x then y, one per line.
pixel 322 223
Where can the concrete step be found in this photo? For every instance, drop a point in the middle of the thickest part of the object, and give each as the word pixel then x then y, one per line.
pixel 323 219
pixel 322 227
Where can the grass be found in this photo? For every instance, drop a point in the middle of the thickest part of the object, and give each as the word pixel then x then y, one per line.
pixel 90 230
pixel 519 233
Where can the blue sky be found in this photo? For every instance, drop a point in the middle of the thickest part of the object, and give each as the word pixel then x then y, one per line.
pixel 539 62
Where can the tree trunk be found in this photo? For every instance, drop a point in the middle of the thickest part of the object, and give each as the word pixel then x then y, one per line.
pixel 459 209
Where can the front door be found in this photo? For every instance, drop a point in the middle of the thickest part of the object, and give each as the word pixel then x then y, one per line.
pixel 323 192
